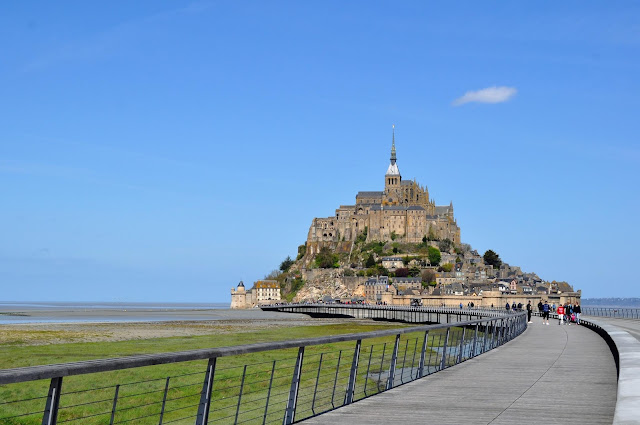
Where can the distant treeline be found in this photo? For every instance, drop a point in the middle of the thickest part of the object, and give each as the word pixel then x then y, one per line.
pixel 611 302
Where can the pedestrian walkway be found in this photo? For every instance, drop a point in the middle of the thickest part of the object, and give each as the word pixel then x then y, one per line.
pixel 548 375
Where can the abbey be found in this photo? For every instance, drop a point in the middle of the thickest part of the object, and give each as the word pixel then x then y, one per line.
pixel 403 212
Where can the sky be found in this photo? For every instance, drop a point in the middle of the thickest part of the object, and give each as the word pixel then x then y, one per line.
pixel 164 151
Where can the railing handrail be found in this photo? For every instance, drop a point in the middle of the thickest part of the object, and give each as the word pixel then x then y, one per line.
pixel 32 373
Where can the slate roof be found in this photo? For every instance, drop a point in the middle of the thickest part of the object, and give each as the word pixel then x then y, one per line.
pixel 369 194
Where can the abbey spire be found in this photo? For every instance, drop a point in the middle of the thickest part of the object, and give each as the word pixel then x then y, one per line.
pixel 393 167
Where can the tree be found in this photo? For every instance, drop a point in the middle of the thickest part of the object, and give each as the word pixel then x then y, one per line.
pixel 434 256
pixel 428 276
pixel 326 259
pixel 302 249
pixel 445 245
pixel 273 275
pixel 370 261
pixel 402 272
pixel 286 264
pixel 446 267
pixel 492 259
pixel 414 271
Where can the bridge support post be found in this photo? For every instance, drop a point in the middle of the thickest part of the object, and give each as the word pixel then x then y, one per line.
pixel 290 412
pixel 50 416
pixel 423 352
pixel 205 395
pixel 443 362
pixel 351 389
pixel 394 360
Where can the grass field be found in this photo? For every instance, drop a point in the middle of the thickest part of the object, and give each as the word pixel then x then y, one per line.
pixel 247 389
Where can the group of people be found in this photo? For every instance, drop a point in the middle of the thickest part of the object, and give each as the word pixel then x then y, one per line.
pixel 566 312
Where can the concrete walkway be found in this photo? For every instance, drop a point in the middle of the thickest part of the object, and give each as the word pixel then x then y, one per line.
pixel 549 375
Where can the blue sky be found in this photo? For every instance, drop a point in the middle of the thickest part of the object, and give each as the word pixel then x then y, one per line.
pixel 163 151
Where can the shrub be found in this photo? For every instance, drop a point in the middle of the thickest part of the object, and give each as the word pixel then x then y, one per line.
pixel 326 259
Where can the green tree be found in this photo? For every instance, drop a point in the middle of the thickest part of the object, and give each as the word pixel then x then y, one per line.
pixel 370 261
pixel 414 271
pixel 446 267
pixel 394 235
pixel 326 259
pixel 302 249
pixel 492 259
pixel 286 264
pixel 434 256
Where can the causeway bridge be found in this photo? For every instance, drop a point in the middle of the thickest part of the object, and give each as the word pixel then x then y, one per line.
pixel 474 366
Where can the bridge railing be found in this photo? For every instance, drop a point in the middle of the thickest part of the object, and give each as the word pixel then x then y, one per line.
pixel 622 313
pixel 261 383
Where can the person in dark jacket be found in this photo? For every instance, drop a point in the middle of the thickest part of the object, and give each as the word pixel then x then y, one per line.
pixel 507 306
pixel 513 306
pixel 529 311
pixel 577 310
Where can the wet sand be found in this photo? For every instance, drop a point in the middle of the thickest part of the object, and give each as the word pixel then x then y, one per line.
pixel 63 326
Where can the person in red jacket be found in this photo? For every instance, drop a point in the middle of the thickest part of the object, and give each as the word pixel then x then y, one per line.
pixel 560 314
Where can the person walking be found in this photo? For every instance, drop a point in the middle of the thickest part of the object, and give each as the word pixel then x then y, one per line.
pixel 513 306
pixel 507 306
pixel 540 306
pixel 560 311
pixel 568 310
pixel 529 308
pixel 577 310
pixel 545 312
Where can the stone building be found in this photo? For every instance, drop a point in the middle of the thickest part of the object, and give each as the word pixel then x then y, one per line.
pixel 403 211
pixel 263 292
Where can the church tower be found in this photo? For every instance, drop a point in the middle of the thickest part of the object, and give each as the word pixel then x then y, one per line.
pixel 392 178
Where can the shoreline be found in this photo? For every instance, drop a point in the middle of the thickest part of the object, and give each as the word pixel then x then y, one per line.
pixel 138 326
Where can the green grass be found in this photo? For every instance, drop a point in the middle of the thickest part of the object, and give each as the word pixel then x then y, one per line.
pixel 141 390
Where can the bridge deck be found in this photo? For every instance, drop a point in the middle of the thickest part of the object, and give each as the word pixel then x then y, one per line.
pixel 549 375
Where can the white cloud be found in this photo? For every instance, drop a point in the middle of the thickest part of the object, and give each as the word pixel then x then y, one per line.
pixel 489 95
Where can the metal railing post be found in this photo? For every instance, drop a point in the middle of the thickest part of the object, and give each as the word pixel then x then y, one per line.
pixel 366 377
pixel 50 416
pixel 244 373
pixel 413 361
pixel 475 340
pixel 423 353
pixel 266 404
pixel 443 362
pixel 384 349
pixel 115 402
pixel 351 388
pixel 404 360
pixel 394 360
pixel 205 395
pixel 164 400
pixel 335 380
pixel 461 348
pixel 290 412
pixel 315 389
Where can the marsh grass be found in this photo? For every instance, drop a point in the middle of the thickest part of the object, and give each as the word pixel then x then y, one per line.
pixel 260 397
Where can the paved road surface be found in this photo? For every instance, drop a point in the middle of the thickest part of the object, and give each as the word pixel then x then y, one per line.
pixel 549 375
